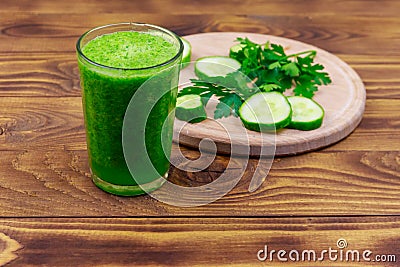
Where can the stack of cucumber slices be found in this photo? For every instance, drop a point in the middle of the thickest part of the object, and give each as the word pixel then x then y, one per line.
pixel 262 111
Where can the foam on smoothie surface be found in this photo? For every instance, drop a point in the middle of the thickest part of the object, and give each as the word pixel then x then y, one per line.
pixel 129 49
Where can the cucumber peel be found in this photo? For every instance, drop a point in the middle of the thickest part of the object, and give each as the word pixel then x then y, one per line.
pixel 190 108
pixel 187 53
pixel 307 114
pixel 265 111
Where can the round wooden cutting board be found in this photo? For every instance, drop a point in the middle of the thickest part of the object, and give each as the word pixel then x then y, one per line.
pixel 343 101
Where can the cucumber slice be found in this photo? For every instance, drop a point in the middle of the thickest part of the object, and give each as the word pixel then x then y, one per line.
pixel 215 66
pixel 190 108
pixel 307 114
pixel 187 53
pixel 265 111
pixel 234 50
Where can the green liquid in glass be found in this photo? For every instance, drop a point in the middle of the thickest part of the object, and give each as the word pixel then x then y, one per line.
pixel 107 93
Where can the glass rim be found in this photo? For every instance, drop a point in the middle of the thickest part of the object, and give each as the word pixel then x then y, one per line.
pixel 80 52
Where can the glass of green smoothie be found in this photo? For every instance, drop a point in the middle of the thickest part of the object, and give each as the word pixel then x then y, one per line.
pixel 114 61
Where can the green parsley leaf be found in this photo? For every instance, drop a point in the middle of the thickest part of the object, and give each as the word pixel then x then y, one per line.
pixel 268 64
pixel 274 65
pixel 291 69
pixel 269 87
pixel 266 67
pixel 228 105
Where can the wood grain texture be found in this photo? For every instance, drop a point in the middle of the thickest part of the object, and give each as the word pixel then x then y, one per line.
pixel 45 74
pixel 56 74
pixel 43 141
pixel 335 34
pixel 307 202
pixel 47 122
pixel 57 183
pixel 246 7
pixel 8 247
pixel 199 241
pixel 41 122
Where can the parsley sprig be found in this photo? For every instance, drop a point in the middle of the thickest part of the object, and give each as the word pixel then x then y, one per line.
pixel 230 90
pixel 266 68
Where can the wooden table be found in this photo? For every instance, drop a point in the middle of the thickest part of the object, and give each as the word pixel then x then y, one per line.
pixel 52 214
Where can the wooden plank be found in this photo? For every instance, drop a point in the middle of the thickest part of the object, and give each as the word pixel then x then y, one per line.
pixel 200 241
pixel 258 7
pixel 47 74
pixel 41 122
pixel 307 202
pixel 55 182
pixel 336 34
pixel 56 74
pixel 57 122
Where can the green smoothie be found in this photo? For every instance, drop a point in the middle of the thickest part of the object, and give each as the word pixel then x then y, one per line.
pixel 129 50
pixel 112 67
